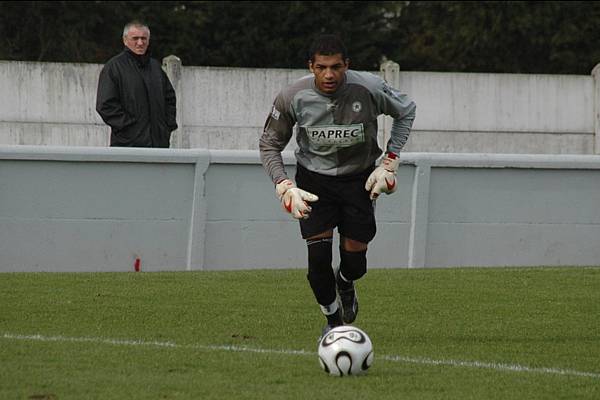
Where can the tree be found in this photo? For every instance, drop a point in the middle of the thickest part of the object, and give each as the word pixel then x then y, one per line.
pixel 55 31
pixel 512 36
pixel 277 34
pixel 486 36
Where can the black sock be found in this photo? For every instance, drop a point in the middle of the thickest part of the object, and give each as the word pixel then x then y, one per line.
pixel 343 284
pixel 335 319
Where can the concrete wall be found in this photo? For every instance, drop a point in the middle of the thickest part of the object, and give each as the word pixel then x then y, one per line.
pixel 50 104
pixel 225 108
pixel 98 209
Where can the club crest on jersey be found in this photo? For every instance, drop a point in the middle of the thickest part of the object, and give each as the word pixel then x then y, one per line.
pixel 356 106
pixel 336 135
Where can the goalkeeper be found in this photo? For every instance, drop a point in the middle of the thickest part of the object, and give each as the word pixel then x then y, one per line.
pixel 334 111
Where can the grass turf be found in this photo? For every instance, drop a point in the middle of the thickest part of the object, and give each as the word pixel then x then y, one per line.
pixel 437 334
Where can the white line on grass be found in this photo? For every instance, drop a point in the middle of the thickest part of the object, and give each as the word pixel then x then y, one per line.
pixel 403 359
pixel 494 366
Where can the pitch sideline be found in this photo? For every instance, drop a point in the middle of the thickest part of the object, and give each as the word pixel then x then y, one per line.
pixel 390 358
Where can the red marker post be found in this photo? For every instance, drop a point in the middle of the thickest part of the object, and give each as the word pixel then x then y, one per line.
pixel 137 265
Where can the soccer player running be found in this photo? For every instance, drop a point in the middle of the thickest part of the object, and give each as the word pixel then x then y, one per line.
pixel 335 113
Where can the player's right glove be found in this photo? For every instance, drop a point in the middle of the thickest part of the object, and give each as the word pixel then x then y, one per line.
pixel 383 178
pixel 294 200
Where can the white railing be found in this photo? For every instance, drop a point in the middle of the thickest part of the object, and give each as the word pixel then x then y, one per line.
pixel 100 209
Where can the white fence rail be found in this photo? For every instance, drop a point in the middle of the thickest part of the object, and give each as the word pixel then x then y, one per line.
pixel 99 209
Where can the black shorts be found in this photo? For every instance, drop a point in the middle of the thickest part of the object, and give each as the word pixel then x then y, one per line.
pixel 343 203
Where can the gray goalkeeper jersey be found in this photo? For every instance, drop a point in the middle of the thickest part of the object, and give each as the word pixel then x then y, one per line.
pixel 336 133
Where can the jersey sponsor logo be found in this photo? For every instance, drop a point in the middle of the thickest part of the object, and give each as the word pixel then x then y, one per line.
pixel 336 135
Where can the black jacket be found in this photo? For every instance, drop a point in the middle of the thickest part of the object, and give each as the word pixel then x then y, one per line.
pixel 136 99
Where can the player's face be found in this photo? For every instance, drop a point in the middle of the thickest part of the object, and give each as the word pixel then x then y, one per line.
pixel 137 40
pixel 329 71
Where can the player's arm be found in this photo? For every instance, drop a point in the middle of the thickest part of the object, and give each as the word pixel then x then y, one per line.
pixel 403 110
pixel 276 135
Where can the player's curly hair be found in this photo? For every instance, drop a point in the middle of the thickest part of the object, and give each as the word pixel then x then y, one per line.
pixel 327 45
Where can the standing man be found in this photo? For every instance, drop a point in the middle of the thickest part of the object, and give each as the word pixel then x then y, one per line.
pixel 135 97
pixel 335 113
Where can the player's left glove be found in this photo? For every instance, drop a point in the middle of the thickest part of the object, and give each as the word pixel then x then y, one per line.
pixel 383 178
pixel 294 200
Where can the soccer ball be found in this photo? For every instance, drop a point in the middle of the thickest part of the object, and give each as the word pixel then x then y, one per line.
pixel 345 350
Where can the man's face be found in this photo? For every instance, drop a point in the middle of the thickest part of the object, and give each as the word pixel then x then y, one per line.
pixel 137 39
pixel 329 71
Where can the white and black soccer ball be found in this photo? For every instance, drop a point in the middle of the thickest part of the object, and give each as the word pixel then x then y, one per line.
pixel 345 350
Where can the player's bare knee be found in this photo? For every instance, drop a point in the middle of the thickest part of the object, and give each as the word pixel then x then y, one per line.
pixel 352 245
pixel 323 235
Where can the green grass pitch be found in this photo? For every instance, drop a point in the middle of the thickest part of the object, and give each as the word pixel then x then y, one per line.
pixel 465 333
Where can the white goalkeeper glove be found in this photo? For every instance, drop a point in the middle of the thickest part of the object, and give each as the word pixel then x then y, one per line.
pixel 294 200
pixel 383 178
